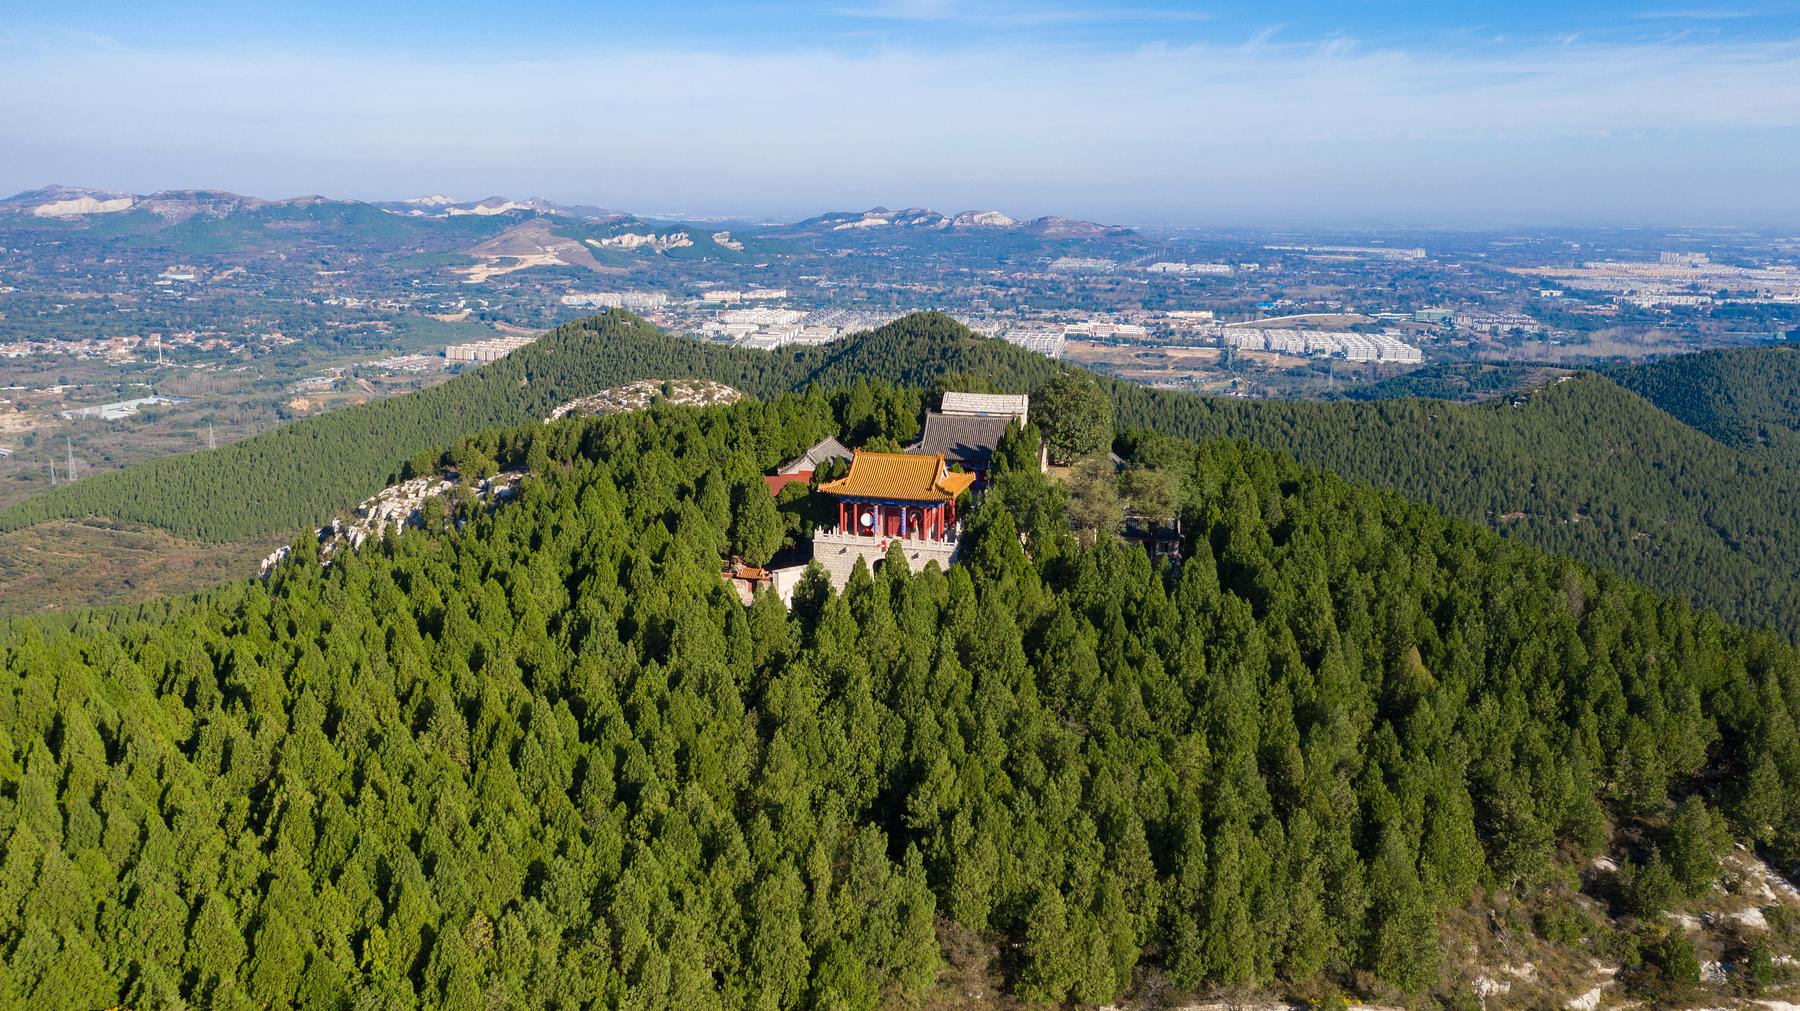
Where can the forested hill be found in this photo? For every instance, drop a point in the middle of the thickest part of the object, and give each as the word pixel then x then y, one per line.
pixel 1458 381
pixel 550 761
pixel 1748 398
pixel 298 475
pixel 1581 466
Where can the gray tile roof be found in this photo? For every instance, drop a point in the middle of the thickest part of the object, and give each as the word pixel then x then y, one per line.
pixel 826 449
pixel 962 439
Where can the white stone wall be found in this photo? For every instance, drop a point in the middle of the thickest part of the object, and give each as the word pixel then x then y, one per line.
pixel 837 553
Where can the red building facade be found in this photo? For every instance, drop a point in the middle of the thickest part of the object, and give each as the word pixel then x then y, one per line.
pixel 887 495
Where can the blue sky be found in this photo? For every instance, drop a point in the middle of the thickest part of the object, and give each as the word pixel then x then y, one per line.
pixel 1138 111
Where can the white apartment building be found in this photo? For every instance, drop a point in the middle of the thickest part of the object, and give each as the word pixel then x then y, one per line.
pixel 633 301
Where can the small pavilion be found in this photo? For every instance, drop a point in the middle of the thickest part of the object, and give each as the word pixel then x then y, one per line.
pixel 898 495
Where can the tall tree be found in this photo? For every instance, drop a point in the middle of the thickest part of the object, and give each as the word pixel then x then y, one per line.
pixel 1074 415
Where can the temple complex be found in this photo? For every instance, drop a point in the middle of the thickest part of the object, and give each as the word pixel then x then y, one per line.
pixel 907 499
pixel 888 498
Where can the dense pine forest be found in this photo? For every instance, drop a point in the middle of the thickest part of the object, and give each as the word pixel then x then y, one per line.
pixel 1582 466
pixel 1459 381
pixel 540 756
pixel 1746 398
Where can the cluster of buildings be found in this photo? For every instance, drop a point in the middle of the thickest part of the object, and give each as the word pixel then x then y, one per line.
pixel 632 301
pixel 1354 347
pixel 731 297
pixel 1046 341
pixel 1083 265
pixel 1356 252
pixel 908 499
pixel 1105 330
pixel 1050 339
pixel 1488 319
pixel 484 351
pixel 1666 300
pixel 1675 280
pixel 107 347
pixel 131 345
pixel 755 319
pixel 407 363
pixel 324 382
pixel 387 305
pixel 772 328
pixel 118 410
pixel 1195 269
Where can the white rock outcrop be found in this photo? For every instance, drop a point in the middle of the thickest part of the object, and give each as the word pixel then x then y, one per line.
pixel 77 206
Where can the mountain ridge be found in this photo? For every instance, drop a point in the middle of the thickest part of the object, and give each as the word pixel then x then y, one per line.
pixel 1583 466
pixel 178 204
pixel 924 219
pixel 1746 398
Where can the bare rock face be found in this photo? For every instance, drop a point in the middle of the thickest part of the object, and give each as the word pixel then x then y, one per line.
pixel 398 506
pixel 77 206
pixel 925 218
pixel 647 240
pixel 982 219
pixel 393 509
pixel 641 394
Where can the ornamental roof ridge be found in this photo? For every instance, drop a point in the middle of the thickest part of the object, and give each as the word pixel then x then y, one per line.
pixel 900 476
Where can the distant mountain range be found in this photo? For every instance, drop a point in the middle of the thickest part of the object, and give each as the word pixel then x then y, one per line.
pixel 173 205
pixel 437 205
pixel 926 219
pixel 75 203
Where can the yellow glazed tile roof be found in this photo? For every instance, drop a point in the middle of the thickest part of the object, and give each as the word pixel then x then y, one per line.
pixel 899 476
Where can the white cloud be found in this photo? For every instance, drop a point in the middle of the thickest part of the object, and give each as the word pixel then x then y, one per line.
pixel 1583 130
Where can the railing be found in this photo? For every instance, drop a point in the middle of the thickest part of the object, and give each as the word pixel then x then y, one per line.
pixel 846 538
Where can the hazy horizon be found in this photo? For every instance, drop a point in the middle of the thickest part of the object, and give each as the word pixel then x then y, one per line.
pixel 1154 115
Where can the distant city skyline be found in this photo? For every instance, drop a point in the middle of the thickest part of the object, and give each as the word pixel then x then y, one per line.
pixel 1150 113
